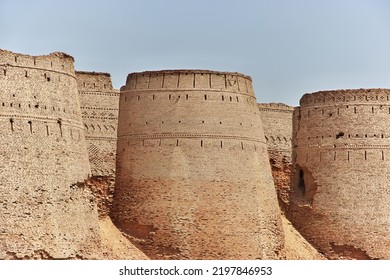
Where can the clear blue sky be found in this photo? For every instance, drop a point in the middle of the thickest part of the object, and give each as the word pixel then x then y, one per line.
pixel 288 47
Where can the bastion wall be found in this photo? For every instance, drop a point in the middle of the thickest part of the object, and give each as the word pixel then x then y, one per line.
pixel 99 103
pixel 44 210
pixel 342 157
pixel 193 179
pixel 277 123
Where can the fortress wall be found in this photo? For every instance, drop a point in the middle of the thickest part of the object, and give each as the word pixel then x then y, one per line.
pixel 99 107
pixel 342 160
pixel 43 159
pixel 277 123
pixel 189 145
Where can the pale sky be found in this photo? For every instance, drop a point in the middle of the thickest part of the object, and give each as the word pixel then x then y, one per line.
pixel 288 47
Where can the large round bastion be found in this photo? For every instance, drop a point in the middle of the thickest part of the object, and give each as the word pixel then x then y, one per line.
pixel 193 179
pixel 342 159
pixel 45 212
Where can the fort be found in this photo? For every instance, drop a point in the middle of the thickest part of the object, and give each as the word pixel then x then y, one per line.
pixel 187 138
pixel 341 194
pixel 277 123
pixel 187 165
pixel 43 154
pixel 99 111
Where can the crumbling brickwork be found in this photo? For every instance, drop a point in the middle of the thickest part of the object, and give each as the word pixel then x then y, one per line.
pixel 193 178
pixel 45 212
pixel 99 108
pixel 277 123
pixel 342 158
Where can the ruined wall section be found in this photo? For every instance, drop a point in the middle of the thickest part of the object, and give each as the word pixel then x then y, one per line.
pixel 44 211
pixel 192 168
pixel 99 108
pixel 341 190
pixel 277 123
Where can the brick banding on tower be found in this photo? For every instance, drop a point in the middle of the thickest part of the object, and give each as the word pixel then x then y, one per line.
pixel 99 103
pixel 342 159
pixel 192 168
pixel 277 122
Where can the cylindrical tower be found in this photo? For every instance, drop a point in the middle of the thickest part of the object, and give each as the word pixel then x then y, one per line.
pixel 193 178
pixel 99 107
pixel 277 122
pixel 45 212
pixel 342 199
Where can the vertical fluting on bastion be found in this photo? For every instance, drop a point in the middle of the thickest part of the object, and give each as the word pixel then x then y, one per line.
pixel 342 159
pixel 277 123
pixel 44 210
pixel 193 179
pixel 99 103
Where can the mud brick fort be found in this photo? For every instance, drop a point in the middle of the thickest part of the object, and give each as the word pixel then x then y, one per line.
pixel 185 164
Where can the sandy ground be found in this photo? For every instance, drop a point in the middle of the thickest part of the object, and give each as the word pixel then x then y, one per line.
pixel 296 247
pixel 117 246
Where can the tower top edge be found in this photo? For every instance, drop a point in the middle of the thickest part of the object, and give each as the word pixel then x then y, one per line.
pixel 93 73
pixel 60 55
pixel 189 71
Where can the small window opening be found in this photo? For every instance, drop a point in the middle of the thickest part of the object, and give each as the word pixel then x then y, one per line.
pixel 223 98
pixel 30 123
pixel 201 143
pixel 205 97
pixel 59 121
pixel 339 135
pixel 11 120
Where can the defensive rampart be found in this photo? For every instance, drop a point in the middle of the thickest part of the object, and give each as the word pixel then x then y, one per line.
pixel 45 212
pixel 99 108
pixel 342 141
pixel 277 123
pixel 193 178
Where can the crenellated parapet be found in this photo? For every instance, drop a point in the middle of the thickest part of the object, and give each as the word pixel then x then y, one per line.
pixel 191 80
